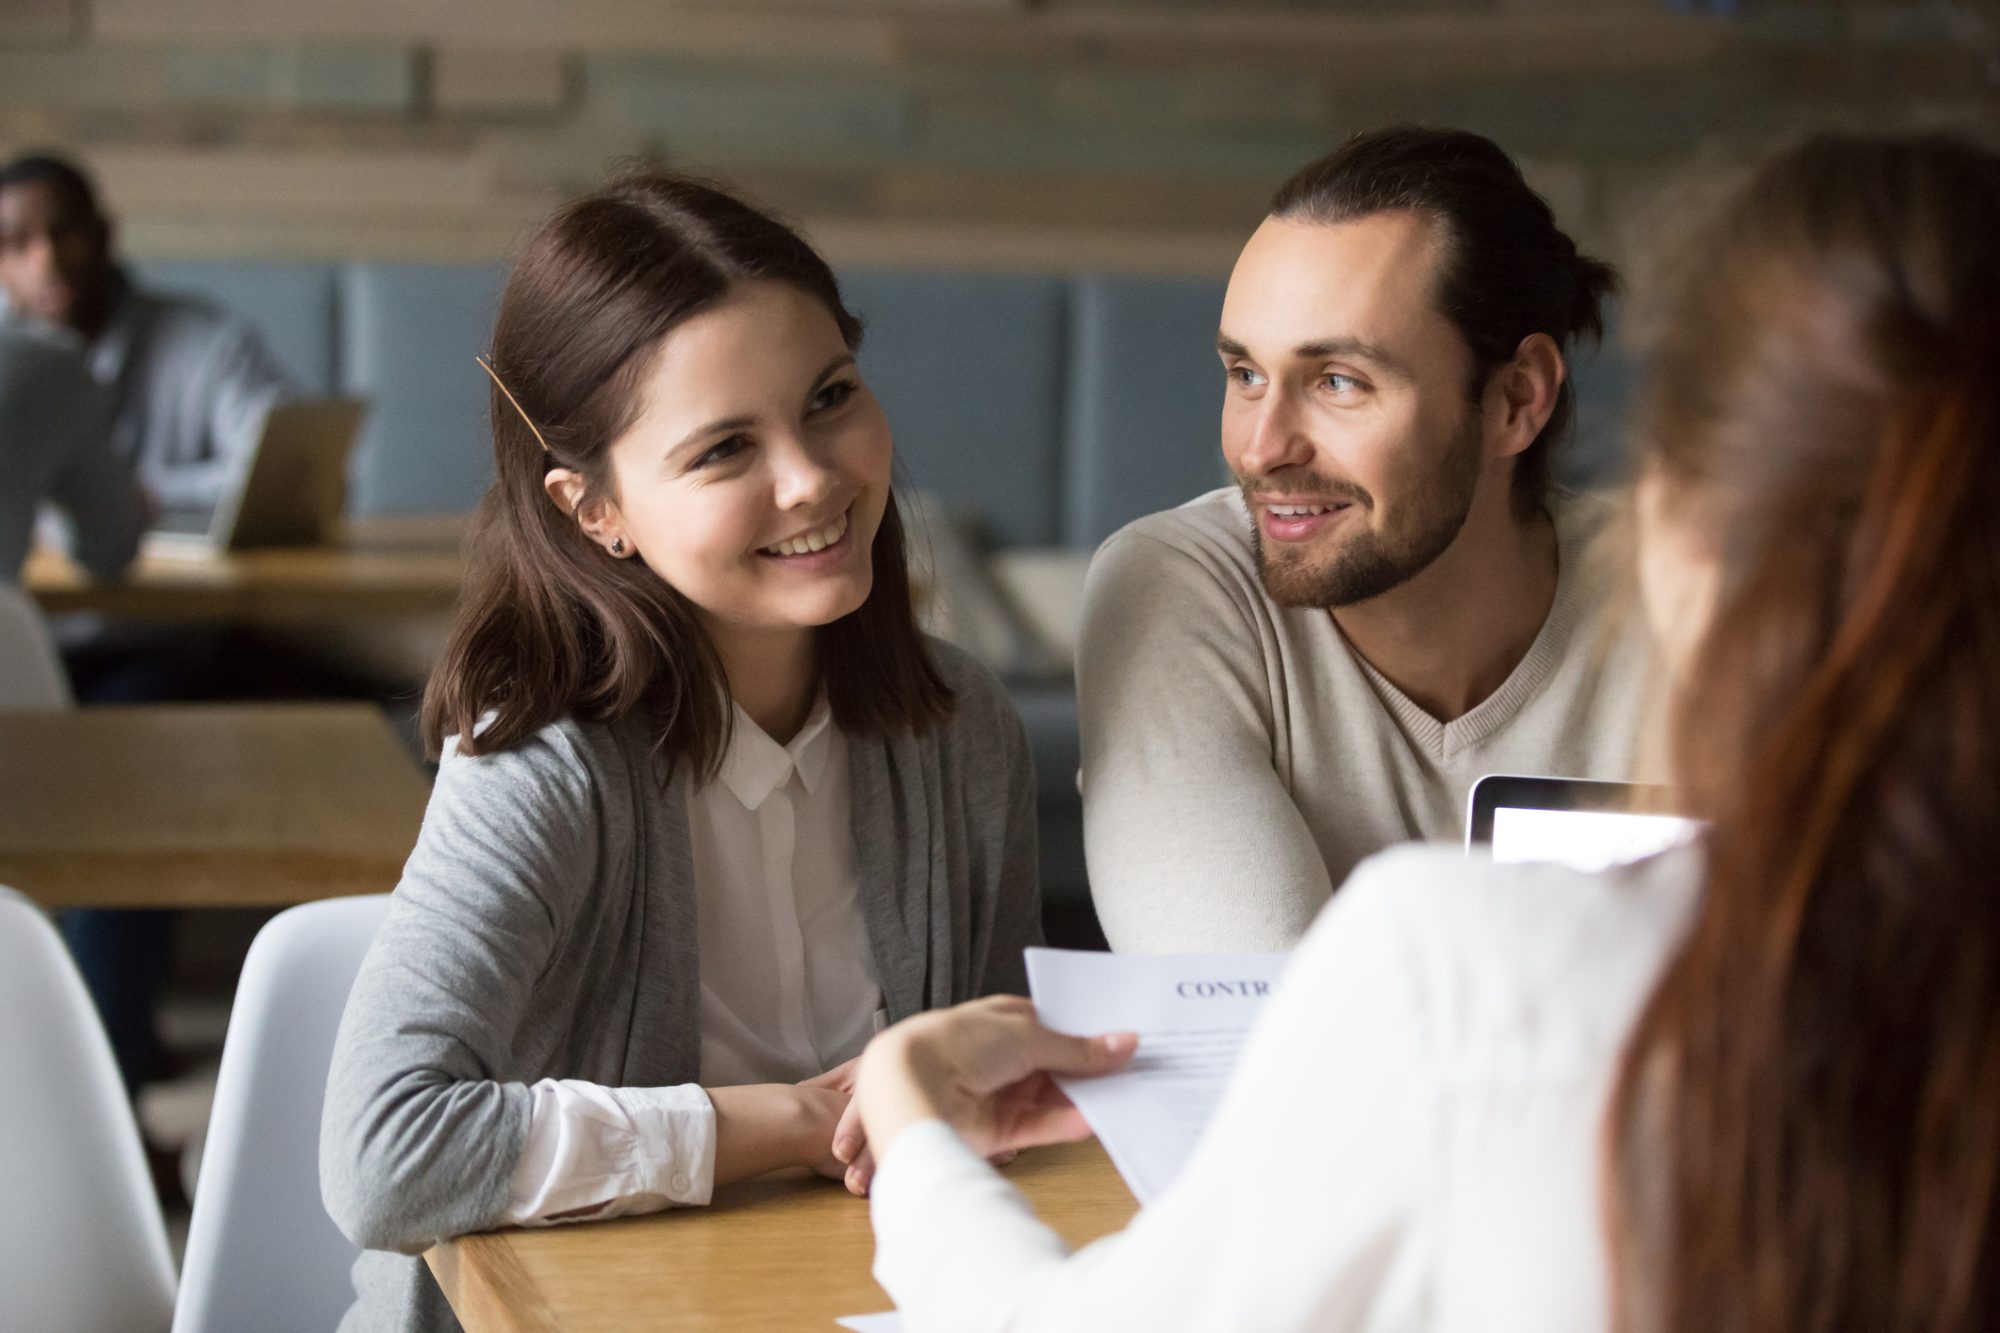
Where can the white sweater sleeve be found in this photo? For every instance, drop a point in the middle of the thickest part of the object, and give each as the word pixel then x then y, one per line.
pixel 1300 1209
pixel 594 1152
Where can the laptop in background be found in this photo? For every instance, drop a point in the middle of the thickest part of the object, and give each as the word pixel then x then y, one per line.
pixel 288 489
pixel 1572 821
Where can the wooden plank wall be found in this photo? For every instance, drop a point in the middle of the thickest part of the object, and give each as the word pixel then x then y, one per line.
pixel 1138 134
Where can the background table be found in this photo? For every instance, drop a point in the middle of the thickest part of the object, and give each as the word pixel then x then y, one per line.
pixel 204 805
pixel 383 567
pixel 781 1252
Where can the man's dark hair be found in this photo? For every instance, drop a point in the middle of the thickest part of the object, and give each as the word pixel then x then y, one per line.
pixel 56 172
pixel 1507 270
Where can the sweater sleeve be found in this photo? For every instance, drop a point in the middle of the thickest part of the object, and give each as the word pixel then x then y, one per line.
pixel 1301 1208
pixel 1014 920
pixel 92 486
pixel 996 767
pixel 422 1127
pixel 106 508
pixel 592 1152
pixel 55 445
pixel 1193 842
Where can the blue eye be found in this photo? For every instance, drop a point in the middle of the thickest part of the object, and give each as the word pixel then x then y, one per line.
pixel 1342 383
pixel 1244 377
pixel 833 395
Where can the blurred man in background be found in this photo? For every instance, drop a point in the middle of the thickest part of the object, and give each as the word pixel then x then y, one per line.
pixel 190 383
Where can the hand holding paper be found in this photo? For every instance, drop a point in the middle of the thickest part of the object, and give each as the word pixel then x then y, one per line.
pixel 1192 1013
pixel 1004 1078
pixel 987 1068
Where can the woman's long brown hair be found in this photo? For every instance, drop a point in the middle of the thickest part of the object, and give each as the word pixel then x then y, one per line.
pixel 1805 1136
pixel 548 623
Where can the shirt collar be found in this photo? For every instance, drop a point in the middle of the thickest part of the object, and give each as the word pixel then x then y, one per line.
pixel 755 765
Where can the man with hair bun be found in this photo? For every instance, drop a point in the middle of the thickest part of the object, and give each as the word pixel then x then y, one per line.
pixel 1286 675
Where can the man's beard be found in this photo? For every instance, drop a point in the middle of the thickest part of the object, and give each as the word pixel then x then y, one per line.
pixel 1368 563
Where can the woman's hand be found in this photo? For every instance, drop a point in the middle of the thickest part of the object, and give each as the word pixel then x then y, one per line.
pixel 840 1078
pixel 986 1068
pixel 763 1127
pixel 853 1164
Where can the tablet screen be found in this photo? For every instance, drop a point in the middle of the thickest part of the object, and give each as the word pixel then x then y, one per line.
pixel 1584 839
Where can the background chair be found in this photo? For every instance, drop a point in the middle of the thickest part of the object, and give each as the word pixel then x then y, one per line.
pixel 262 1253
pixel 31 675
pixel 83 1248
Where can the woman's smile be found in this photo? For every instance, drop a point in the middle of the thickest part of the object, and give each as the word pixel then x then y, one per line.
pixel 814 549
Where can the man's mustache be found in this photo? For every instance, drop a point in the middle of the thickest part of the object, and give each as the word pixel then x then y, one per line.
pixel 1308 488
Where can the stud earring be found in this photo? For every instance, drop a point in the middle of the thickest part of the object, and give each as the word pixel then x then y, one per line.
pixel 618 546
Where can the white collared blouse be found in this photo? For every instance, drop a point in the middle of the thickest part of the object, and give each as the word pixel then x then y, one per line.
pixel 788 986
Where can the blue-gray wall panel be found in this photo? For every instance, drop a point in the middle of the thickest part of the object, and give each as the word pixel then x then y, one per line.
pixel 409 333
pixel 1607 381
pixel 1145 401
pixel 969 370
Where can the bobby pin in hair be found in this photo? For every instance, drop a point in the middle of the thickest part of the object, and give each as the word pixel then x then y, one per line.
pixel 487 366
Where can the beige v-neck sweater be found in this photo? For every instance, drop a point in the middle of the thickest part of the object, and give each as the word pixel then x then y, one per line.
pixel 1239 758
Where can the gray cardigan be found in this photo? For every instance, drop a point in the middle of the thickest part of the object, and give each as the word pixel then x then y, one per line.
pixel 545 928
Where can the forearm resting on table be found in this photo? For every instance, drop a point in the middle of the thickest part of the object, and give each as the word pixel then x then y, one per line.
pixel 594 1152
pixel 763 1127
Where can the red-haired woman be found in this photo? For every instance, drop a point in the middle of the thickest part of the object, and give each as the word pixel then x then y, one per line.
pixel 1750 1086
pixel 710 808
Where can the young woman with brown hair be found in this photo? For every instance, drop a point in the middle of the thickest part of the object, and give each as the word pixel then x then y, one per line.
pixel 1749 1086
pixel 710 809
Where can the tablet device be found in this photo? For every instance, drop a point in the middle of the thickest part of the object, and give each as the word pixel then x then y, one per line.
pixel 287 489
pixel 1573 821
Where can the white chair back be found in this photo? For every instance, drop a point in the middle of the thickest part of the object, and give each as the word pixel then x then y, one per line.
pixel 83 1248
pixel 31 675
pixel 261 1252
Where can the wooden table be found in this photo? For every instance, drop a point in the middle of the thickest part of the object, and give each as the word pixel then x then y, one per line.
pixel 381 567
pixel 204 805
pixel 785 1252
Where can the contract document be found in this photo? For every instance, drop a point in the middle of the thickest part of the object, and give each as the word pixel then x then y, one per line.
pixel 1191 1011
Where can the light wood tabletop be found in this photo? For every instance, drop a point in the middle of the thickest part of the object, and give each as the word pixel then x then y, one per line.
pixel 785 1252
pixel 204 805
pixel 381 567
